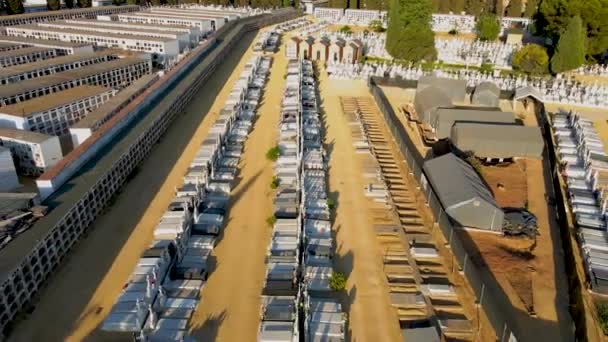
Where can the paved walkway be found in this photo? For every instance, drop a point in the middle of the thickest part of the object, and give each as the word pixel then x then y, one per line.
pixel 230 303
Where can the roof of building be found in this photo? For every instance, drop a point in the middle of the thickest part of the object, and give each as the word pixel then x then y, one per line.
pixel 21 52
pixel 65 11
pixel 23 135
pixel 60 77
pixel 498 141
pixel 526 91
pixel 339 42
pixel 41 64
pixel 454 89
pixel 430 98
pixel 134 31
pixel 443 119
pixel 53 100
pixel 455 181
pixel 102 23
pixel 192 16
pixel 125 35
pixel 43 42
pixel 101 112
pixel 487 94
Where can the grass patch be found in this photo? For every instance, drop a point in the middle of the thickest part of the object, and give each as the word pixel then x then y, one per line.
pixel 271 220
pixel 273 154
pixel 475 163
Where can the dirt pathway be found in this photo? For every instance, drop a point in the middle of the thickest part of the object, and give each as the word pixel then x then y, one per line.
pixel 371 318
pixel 83 290
pixel 230 303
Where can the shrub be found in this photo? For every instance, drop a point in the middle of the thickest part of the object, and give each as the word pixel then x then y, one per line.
pixel 345 29
pixel 275 182
pixel 273 154
pixel 453 32
pixel 337 282
pixel 271 220
pixel 331 204
pixel 474 162
pixel 486 68
pixel 488 27
pixel 376 26
pixel 532 59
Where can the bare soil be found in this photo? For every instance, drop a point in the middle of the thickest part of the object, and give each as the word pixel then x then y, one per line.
pixel 508 183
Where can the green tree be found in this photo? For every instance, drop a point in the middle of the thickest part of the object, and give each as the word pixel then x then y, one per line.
pixel 69 3
pixel 554 15
pixel 514 8
pixel 570 50
pixel 353 3
pixel 474 7
pixel 116 2
pixel 409 35
pixel 531 8
pixel 532 59
pixel 444 6
pixel 84 3
pixel 14 6
pixel 345 29
pixel 53 5
pixel 488 27
pixel 456 6
pixel 286 3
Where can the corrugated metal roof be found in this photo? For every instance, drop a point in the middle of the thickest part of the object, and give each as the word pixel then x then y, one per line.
pixel 498 141
pixel 429 99
pixel 444 118
pixel 455 181
pixel 454 89
pixel 487 94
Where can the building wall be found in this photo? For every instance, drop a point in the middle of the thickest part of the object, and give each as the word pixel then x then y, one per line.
pixel 319 51
pixel 203 25
pixel 79 135
pixel 51 152
pixel 8 61
pixel 8 174
pixel 117 78
pixel 335 53
pixel 64 14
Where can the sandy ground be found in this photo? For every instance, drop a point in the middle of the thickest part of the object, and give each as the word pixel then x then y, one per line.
pixel 370 316
pixel 230 303
pixel 82 291
pixel 508 183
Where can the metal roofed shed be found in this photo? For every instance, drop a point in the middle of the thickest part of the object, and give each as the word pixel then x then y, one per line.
pixel 498 141
pixel 428 100
pixel 463 194
pixel 486 94
pixel 454 89
pixel 420 334
pixel 445 118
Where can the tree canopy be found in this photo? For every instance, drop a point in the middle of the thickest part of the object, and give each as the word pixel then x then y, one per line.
pixel 532 59
pixel 376 26
pixel 570 50
pixel 554 15
pixel 531 8
pixel 474 7
pixel 53 5
pixel 84 3
pixel 14 6
pixel 409 35
pixel 488 27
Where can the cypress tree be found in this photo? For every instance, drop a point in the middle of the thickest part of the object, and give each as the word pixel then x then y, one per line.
pixel 69 3
pixel 570 50
pixel 14 7
pixel 53 5
pixel 338 3
pixel 84 3
pixel 514 8
pixel 116 2
pixel 409 35
pixel 488 27
pixel 499 9
pixel 444 6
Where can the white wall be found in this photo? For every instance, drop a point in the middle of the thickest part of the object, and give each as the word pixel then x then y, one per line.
pixel 79 135
pixel 8 174
pixel 51 151
pixel 11 121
